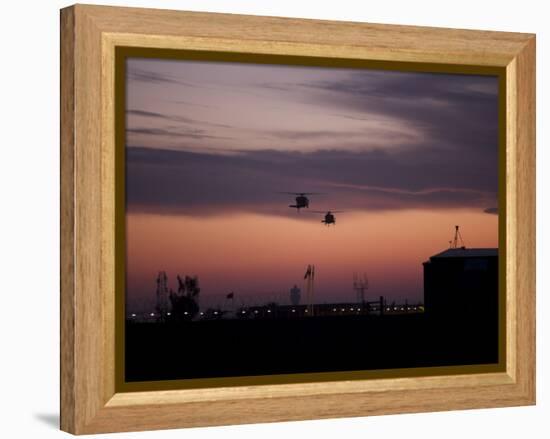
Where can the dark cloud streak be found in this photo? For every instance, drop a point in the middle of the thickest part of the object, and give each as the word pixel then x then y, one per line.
pixel 177 134
pixel 174 118
pixel 155 78
pixel 164 181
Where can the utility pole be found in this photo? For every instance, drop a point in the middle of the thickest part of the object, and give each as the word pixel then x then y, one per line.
pixel 310 285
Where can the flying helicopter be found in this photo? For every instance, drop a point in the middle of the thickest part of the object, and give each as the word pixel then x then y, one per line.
pixel 329 216
pixel 301 199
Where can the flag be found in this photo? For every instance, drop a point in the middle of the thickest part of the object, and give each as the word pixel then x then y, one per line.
pixel 230 295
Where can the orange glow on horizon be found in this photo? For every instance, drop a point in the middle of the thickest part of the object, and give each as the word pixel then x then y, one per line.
pixel 262 257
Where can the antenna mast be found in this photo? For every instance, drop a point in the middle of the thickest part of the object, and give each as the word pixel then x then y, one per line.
pixel 457 237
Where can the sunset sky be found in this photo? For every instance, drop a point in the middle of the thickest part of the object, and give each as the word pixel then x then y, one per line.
pixel 210 146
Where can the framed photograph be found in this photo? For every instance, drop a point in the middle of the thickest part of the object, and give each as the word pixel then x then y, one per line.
pixel 267 219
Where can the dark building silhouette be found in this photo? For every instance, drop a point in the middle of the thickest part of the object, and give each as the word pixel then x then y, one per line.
pixel 462 283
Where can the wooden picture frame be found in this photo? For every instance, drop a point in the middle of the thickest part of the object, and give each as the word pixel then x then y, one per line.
pixel 90 400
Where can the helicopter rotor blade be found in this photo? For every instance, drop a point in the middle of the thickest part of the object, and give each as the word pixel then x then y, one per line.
pixel 301 193
pixel 326 211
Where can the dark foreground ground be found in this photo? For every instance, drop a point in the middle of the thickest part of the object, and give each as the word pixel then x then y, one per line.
pixel 225 348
